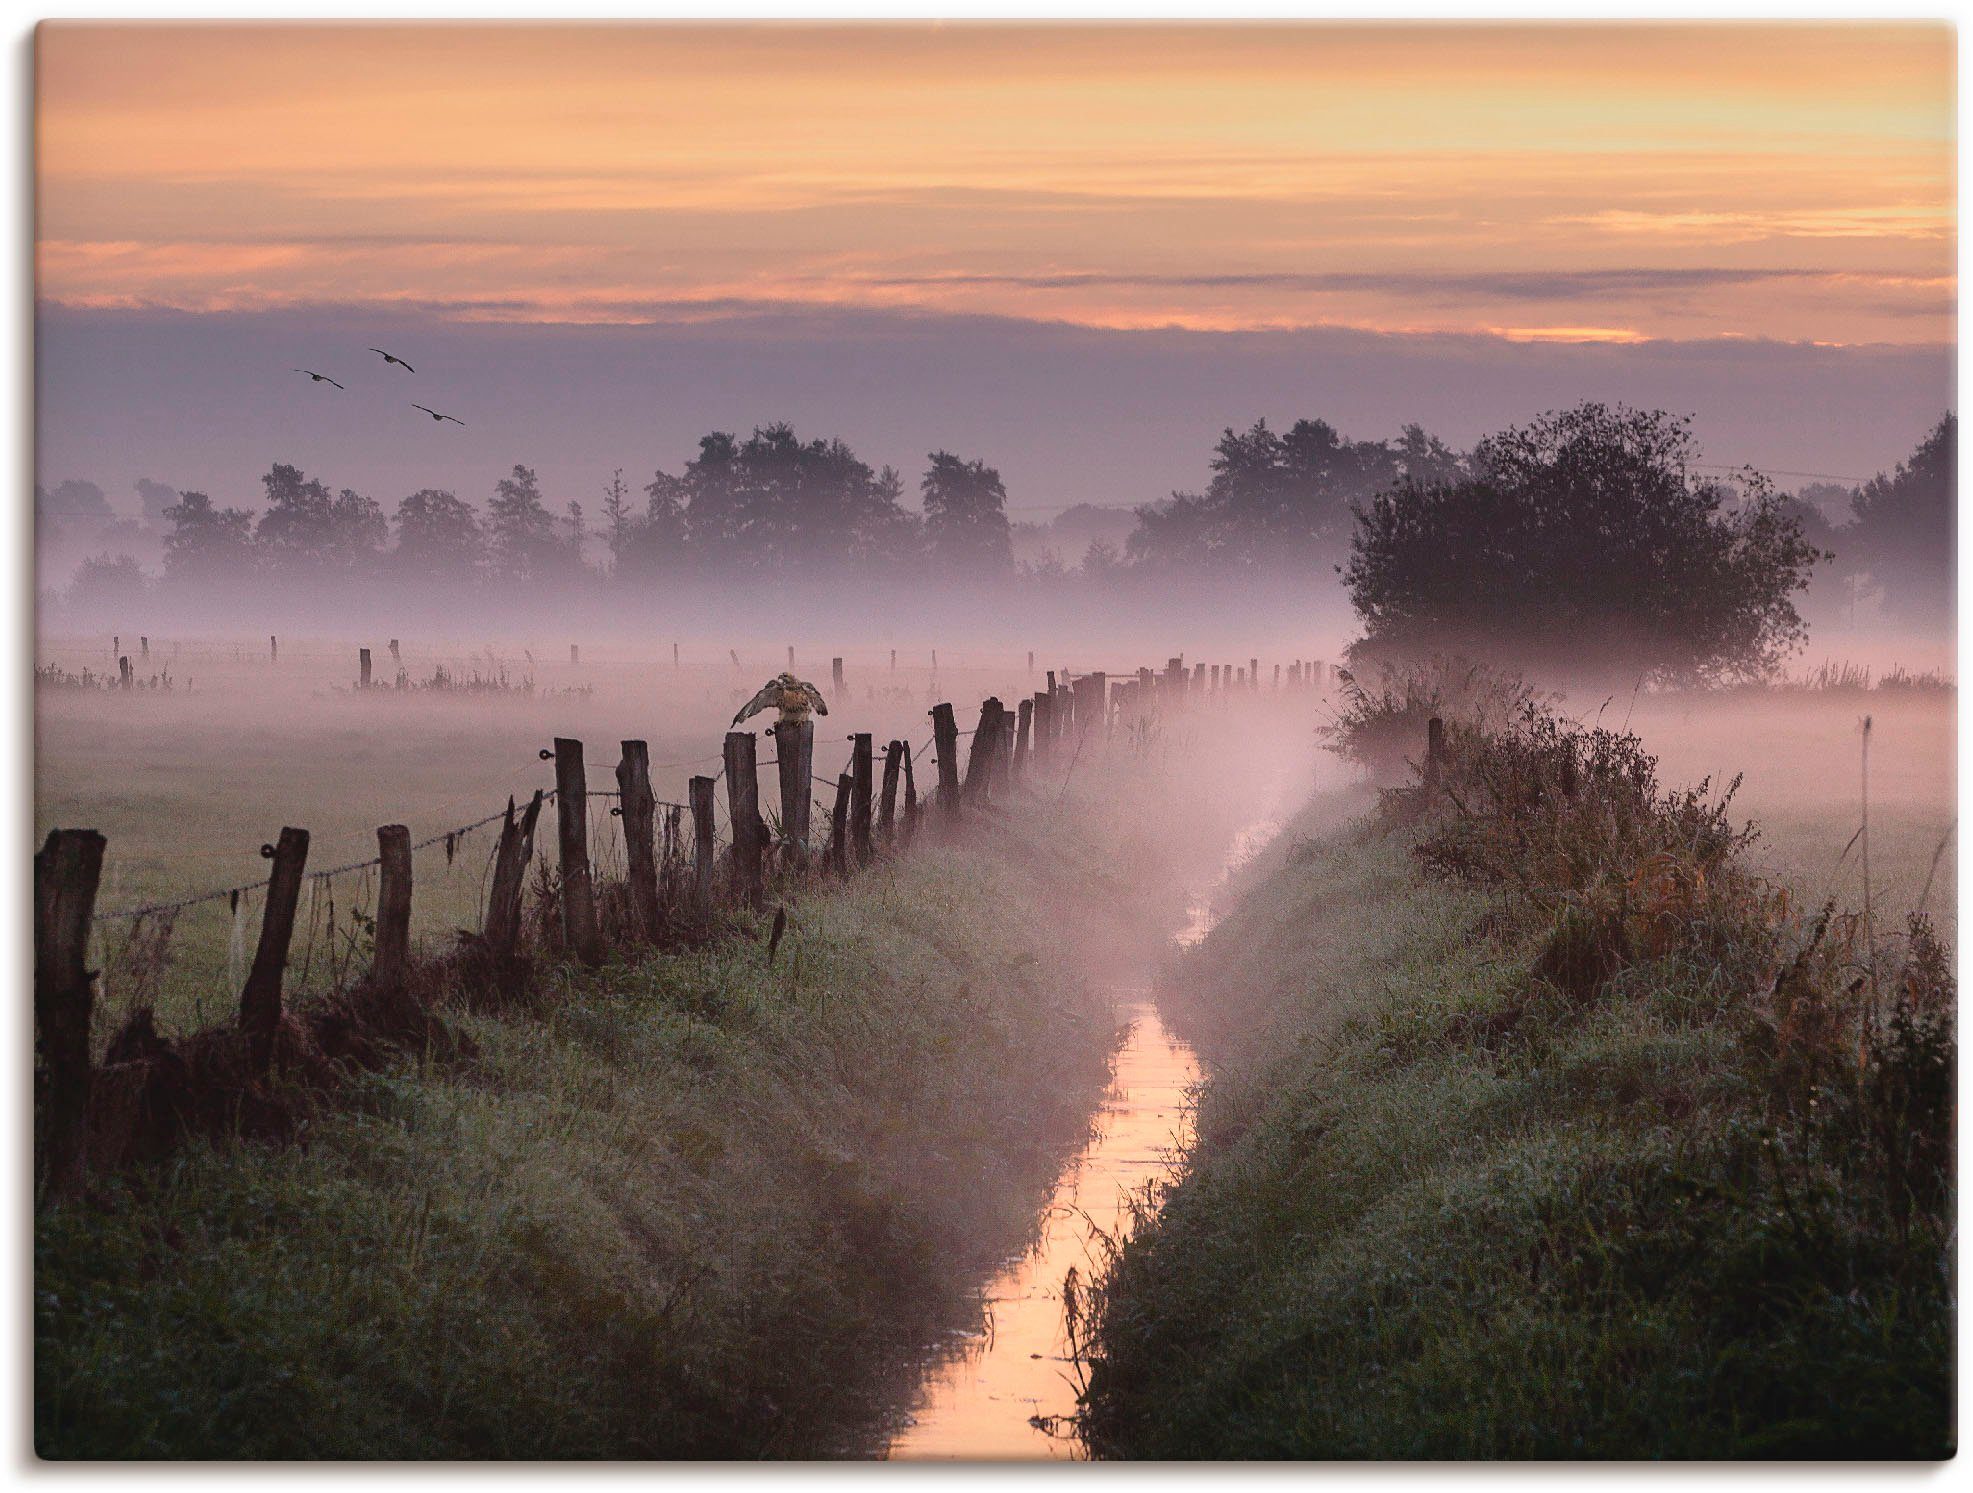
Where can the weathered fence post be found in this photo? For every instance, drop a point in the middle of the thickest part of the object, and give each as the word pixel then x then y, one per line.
pixel 67 871
pixel 1434 756
pixel 1099 696
pixel 674 655
pixel 794 756
pixel 910 796
pixel 393 941
pixel 1044 725
pixel 260 1000
pixel 125 678
pixel 791 658
pixel 861 785
pixel 579 926
pixel 510 863
pixel 1023 725
pixel 743 814
pixel 363 668
pixel 836 675
pixel 700 794
pixel 640 833
pixel 575 654
pixel 887 808
pixel 395 656
pixel 144 649
pixel 979 759
pixel 273 649
pixel 839 825
pixel 945 742
pixel 894 660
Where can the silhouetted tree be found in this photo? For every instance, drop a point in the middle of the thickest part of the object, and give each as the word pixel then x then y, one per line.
pixel 521 531
pixel 966 515
pixel 438 537
pixel 204 545
pixel 1901 535
pixel 296 529
pixel 1582 543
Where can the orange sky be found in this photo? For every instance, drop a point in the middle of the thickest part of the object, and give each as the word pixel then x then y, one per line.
pixel 1603 183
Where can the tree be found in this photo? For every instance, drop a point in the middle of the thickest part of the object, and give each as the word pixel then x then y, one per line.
pixel 438 537
pixel 966 516
pixel 1901 532
pixel 204 545
pixel 103 585
pixel 617 517
pixel 1281 502
pixel 1582 543
pixel 521 530
pixel 297 528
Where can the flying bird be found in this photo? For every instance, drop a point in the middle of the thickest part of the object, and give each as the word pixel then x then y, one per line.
pixel 320 378
pixel 793 697
pixel 437 416
pixel 392 358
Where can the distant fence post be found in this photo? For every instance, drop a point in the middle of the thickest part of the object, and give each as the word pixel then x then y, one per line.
pixel 640 833
pixel 887 808
pixel 260 1000
pixel 579 925
pixel 700 795
pixel 144 649
pixel 836 675
pixel 67 870
pixel 910 796
pixel 363 668
pixel 743 813
pixel 395 656
pixel 393 943
pixel 273 649
pixel 861 786
pixel 1023 725
pixel 575 653
pixel 794 756
pixel 945 742
pixel 503 902
pixel 124 678
pixel 1434 755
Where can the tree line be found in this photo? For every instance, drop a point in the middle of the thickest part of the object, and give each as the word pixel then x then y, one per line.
pixel 1587 523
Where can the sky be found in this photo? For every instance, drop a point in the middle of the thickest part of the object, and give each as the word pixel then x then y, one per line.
pixel 1037 244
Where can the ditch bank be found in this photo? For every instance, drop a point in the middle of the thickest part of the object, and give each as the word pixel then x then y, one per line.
pixel 1609 1160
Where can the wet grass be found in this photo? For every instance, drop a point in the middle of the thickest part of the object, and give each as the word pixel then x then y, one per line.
pixel 1455 1194
pixel 691 1205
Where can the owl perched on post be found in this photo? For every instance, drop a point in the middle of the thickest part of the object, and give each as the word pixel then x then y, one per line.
pixel 793 697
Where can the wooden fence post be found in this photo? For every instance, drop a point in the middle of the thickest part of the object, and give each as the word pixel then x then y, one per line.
pixel 67 870
pixel 579 926
pixel 743 813
pixel 363 668
pixel 640 834
pixel 125 679
pixel 861 785
pixel 1434 755
pixel 839 825
pixel 1099 697
pixel 910 796
pixel 887 808
pixel 836 675
pixel 979 758
pixel 794 756
pixel 791 658
pixel 1044 723
pixel 945 742
pixel 700 794
pixel 1023 725
pixel 575 654
pixel 144 649
pixel 273 649
pixel 393 944
pixel 260 1000
pixel 395 656
pixel 503 902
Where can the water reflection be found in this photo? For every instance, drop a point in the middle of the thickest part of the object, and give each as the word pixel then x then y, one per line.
pixel 1007 1390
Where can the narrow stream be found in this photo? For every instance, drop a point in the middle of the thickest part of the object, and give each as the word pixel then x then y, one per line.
pixel 1007 1390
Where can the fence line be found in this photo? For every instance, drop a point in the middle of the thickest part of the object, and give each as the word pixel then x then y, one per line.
pixel 1007 747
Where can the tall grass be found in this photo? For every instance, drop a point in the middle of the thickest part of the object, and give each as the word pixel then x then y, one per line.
pixel 1540 1127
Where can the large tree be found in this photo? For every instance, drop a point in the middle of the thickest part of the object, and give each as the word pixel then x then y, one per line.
pixel 204 545
pixel 521 536
pixel 438 537
pixel 966 516
pixel 1583 543
pixel 1901 532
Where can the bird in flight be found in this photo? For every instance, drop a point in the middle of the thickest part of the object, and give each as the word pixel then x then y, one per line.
pixel 320 378
pixel 437 416
pixel 390 358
